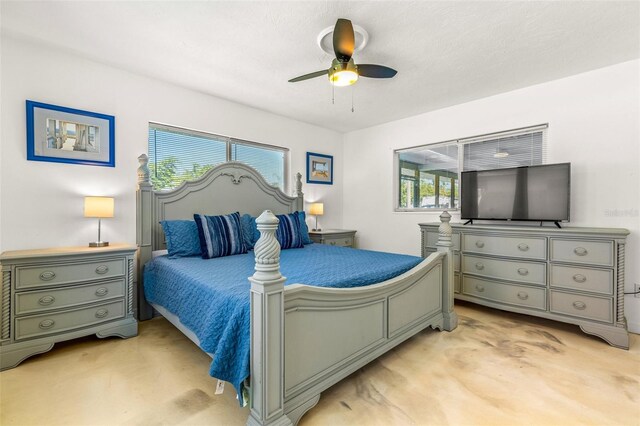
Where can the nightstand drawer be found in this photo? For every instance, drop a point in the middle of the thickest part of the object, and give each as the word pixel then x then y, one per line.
pixel 595 308
pixel 58 322
pixel 527 272
pixel 529 297
pixel 341 242
pixel 523 247
pixel 67 273
pixel 45 300
pixel 587 252
pixel 586 279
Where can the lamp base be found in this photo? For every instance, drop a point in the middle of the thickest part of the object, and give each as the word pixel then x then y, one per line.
pixel 99 244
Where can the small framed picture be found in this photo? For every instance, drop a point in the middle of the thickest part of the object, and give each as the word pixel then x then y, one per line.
pixel 65 135
pixel 319 168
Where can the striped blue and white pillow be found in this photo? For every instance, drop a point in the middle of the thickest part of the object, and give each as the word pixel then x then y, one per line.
pixel 288 232
pixel 220 235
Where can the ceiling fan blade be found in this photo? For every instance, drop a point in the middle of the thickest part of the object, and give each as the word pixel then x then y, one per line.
pixel 344 40
pixel 376 71
pixel 310 75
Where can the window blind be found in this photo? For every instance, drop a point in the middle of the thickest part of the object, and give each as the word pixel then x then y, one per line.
pixel 177 155
pixel 501 151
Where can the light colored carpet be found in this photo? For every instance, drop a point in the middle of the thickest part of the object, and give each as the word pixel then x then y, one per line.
pixel 496 368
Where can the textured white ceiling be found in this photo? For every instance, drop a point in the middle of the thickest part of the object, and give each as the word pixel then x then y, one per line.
pixel 446 53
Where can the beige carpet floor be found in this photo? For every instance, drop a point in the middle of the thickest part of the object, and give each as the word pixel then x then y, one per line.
pixel 496 368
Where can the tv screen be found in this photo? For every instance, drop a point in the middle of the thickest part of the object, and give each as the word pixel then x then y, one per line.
pixel 539 193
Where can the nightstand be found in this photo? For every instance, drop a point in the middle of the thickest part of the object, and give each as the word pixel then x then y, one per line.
pixel 57 294
pixel 334 237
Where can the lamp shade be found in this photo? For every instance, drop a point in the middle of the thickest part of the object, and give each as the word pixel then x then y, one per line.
pixel 98 207
pixel 316 209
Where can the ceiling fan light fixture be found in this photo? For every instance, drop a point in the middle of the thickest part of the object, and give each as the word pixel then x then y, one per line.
pixel 501 154
pixel 343 78
pixel 343 74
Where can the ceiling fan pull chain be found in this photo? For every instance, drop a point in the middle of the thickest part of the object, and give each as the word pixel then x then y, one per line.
pixel 352 109
pixel 333 94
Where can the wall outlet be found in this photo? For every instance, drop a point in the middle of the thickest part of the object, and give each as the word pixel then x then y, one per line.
pixel 637 291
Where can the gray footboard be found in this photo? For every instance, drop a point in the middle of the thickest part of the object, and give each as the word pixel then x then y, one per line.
pixel 305 339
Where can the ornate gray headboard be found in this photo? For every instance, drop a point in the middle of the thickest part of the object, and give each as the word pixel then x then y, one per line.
pixel 224 189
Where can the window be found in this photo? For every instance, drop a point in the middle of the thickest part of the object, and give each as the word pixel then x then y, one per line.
pixel 428 176
pixel 177 155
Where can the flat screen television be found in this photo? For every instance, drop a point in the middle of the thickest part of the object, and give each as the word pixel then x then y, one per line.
pixel 536 193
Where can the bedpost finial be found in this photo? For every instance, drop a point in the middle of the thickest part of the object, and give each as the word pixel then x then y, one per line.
pixel 267 249
pixel 444 230
pixel 299 184
pixel 143 169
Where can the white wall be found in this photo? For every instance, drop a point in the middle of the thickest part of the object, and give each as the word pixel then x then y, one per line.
pixel 594 123
pixel 42 203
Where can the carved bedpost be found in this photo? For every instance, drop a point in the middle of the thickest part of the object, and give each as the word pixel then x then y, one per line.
pixel 299 193
pixel 143 226
pixel 445 245
pixel 267 328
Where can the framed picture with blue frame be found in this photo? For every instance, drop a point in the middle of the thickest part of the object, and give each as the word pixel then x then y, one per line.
pixel 66 135
pixel 319 168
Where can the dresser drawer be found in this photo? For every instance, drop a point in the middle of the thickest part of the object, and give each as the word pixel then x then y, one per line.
pixel 58 322
pixel 522 247
pixel 67 273
pixel 432 239
pixel 528 272
pixel 529 297
pixel 586 279
pixel 581 251
pixel 45 300
pixel 340 242
pixel 589 307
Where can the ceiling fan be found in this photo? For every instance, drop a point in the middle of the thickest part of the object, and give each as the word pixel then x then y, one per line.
pixel 344 71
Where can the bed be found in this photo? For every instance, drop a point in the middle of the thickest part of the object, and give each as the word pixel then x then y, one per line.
pixel 303 338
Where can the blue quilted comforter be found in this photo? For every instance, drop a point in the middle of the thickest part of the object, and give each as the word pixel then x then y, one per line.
pixel 211 297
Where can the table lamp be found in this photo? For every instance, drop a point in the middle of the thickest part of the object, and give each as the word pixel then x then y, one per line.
pixel 316 209
pixel 100 207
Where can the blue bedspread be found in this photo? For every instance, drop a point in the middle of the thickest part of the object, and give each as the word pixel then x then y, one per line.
pixel 211 297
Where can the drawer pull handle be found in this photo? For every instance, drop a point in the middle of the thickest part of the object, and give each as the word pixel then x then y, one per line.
pixel 46 324
pixel 333 243
pixel 102 291
pixel 479 244
pixel 46 300
pixel 522 295
pixel 479 266
pixel 579 278
pixel 580 251
pixel 480 288
pixel 102 269
pixel 523 271
pixel 581 306
pixel 101 313
pixel 47 275
pixel 523 247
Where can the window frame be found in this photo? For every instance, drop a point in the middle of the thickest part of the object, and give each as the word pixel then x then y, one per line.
pixel 229 141
pixel 460 143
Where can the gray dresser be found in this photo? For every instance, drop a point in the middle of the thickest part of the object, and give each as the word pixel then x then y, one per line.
pixel 573 275
pixel 334 237
pixel 52 295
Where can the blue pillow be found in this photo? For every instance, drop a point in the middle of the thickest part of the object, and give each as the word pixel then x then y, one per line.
pixel 288 232
pixel 181 237
pixel 304 229
pixel 250 231
pixel 220 235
